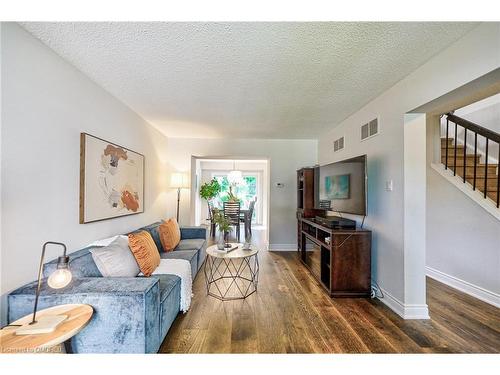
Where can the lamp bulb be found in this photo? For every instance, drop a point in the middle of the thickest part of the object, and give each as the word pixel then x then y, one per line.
pixel 60 278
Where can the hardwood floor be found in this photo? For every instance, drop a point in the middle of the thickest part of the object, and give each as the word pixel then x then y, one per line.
pixel 291 313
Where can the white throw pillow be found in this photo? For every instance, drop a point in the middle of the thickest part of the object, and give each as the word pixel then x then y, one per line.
pixel 105 241
pixel 116 259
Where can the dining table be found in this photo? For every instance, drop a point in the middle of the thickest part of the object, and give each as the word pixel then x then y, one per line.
pixel 247 220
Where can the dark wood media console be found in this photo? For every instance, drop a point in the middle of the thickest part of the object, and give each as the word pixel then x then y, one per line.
pixel 341 264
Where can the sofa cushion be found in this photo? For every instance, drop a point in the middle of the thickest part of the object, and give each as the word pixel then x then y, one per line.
pixel 116 259
pixel 189 255
pixel 153 231
pixel 170 303
pixel 167 283
pixel 81 264
pixel 170 234
pixel 145 251
pixel 192 244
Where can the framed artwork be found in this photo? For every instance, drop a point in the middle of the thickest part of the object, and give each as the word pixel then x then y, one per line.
pixel 337 187
pixel 111 180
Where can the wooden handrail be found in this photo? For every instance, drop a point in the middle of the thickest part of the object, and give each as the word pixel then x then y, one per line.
pixel 474 127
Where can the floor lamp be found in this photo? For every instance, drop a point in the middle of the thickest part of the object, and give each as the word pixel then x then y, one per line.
pixel 179 181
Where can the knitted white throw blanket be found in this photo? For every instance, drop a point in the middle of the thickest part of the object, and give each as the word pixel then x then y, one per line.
pixel 181 268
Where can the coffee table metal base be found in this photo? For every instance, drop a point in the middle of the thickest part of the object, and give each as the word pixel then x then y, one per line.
pixel 231 278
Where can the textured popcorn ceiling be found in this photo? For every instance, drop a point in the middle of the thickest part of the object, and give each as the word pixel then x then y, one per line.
pixel 247 80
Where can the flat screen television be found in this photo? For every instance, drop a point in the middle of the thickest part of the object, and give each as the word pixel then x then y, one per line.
pixel 342 186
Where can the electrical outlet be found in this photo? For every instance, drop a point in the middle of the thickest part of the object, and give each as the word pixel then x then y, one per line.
pixel 389 186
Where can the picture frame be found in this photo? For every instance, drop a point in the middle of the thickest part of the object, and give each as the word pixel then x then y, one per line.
pixel 111 180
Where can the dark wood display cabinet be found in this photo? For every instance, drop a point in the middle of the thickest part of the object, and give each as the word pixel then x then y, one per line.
pixel 306 185
pixel 339 259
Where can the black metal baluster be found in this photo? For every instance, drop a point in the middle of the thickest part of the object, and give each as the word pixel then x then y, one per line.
pixel 446 152
pixel 475 161
pixel 455 156
pixel 486 172
pixel 465 151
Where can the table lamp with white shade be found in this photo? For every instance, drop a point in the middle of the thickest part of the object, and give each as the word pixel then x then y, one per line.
pixel 179 180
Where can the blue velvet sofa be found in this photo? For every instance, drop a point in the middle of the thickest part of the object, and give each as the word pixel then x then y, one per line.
pixel 131 315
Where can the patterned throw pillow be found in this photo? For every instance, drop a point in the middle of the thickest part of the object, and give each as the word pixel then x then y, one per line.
pixel 170 234
pixel 145 251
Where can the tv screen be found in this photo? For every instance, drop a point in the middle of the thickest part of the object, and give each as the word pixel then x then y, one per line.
pixel 341 186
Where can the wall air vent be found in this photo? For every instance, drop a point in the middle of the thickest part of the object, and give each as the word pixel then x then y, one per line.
pixel 338 144
pixel 369 129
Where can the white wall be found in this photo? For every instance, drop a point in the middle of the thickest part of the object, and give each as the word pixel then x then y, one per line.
pixel 463 239
pixel 285 157
pixel 470 57
pixel 46 103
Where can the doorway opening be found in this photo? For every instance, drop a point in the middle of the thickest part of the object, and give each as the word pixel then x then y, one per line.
pixel 252 185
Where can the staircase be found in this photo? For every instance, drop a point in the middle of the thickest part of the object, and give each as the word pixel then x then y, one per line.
pixel 466 162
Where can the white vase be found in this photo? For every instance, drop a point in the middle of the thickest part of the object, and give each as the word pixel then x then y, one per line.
pixel 221 243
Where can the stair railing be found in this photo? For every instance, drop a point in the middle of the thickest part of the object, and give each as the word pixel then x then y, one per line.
pixel 488 134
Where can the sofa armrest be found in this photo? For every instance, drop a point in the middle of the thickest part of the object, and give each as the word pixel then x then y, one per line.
pixel 125 318
pixel 188 233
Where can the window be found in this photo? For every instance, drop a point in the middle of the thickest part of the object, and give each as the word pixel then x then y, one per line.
pixel 246 192
pixel 369 129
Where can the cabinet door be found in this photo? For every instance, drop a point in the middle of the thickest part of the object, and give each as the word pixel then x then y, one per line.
pixel 351 262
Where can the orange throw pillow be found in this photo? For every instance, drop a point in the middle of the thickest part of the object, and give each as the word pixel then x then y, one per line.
pixel 145 252
pixel 170 234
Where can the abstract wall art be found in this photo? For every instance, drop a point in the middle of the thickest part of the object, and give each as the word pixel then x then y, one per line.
pixel 337 187
pixel 111 180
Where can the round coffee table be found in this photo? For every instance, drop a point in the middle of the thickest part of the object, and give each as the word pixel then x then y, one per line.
pixel 232 275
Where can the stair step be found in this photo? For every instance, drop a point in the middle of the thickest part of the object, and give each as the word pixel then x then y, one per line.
pixel 443 142
pixel 492 183
pixel 460 160
pixel 451 148
pixel 451 152
pixel 492 195
pixel 469 170
pixel 460 155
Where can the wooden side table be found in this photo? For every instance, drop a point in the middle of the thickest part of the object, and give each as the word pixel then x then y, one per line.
pixel 78 317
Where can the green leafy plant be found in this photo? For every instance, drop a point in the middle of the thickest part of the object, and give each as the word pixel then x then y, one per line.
pixel 210 190
pixel 221 221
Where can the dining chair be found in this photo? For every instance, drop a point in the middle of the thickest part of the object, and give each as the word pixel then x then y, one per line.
pixel 247 218
pixel 232 214
pixel 211 218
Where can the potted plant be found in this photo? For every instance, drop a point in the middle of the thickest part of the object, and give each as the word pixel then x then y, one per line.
pixel 209 190
pixel 224 228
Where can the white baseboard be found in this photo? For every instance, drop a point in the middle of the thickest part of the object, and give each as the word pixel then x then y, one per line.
pixel 282 247
pixel 464 286
pixel 404 311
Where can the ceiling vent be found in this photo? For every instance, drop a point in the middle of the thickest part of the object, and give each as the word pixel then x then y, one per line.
pixel 338 144
pixel 369 129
